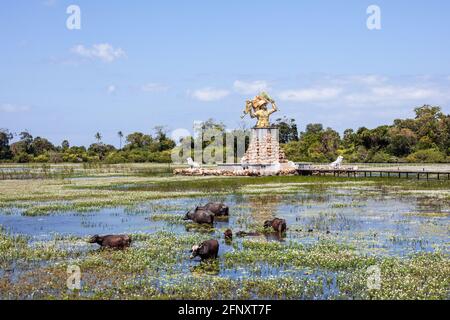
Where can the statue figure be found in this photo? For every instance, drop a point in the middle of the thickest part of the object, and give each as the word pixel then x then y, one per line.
pixel 257 108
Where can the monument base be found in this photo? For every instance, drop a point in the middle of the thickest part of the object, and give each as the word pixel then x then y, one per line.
pixel 237 171
pixel 264 157
pixel 264 148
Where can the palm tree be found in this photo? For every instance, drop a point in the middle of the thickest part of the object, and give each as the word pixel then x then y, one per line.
pixel 120 134
pixel 98 137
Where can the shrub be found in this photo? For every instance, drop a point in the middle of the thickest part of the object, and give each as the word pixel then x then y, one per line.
pixel 429 156
pixel 382 157
pixel 116 157
pixel 22 157
pixel 43 158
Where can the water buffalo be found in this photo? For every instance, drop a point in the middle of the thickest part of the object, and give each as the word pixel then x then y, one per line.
pixel 206 250
pixel 200 216
pixel 219 209
pixel 111 241
pixel 278 225
pixel 228 234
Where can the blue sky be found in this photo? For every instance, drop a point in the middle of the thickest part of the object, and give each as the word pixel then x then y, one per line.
pixel 138 64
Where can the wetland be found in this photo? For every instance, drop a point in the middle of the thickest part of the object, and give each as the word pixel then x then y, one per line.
pixel 337 229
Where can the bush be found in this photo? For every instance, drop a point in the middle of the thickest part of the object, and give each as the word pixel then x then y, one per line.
pixel 55 157
pixel 74 158
pixel 23 157
pixel 137 156
pixel 382 157
pixel 428 156
pixel 293 151
pixel 43 158
pixel 161 157
pixel 116 157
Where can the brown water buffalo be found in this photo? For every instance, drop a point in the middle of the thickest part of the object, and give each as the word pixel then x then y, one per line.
pixel 206 250
pixel 200 216
pixel 111 241
pixel 228 234
pixel 278 225
pixel 219 209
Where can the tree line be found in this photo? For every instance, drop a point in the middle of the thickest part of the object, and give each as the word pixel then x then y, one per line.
pixel 424 138
pixel 139 147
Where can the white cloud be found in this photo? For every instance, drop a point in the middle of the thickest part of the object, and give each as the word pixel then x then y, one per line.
pixel 310 94
pixel 370 79
pixel 11 108
pixel 209 94
pixel 111 89
pixel 154 87
pixel 404 93
pixel 351 92
pixel 396 96
pixel 102 51
pixel 252 87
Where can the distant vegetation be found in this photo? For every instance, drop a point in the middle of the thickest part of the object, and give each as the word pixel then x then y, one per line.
pixel 426 138
pixel 139 147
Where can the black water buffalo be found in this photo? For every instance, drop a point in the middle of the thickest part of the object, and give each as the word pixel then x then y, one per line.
pixel 111 241
pixel 278 225
pixel 206 250
pixel 200 216
pixel 228 234
pixel 219 209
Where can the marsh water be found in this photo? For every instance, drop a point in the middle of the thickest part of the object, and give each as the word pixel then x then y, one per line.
pixel 373 220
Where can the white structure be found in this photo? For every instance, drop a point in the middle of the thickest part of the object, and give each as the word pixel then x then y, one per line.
pixel 337 164
pixel 292 165
pixel 192 163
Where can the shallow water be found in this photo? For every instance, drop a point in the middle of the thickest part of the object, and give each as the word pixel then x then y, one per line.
pixel 374 224
pixel 372 221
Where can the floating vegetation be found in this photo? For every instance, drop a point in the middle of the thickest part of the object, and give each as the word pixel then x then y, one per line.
pixel 170 218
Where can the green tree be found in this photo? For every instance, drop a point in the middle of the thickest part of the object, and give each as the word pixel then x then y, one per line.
pixel 287 129
pixel 120 134
pixel 98 137
pixel 430 125
pixel 40 146
pixel 138 140
pixel 315 144
pixel 164 143
pixel 65 145
pixel 100 149
pixel 427 156
pixel 5 138
pixel 23 146
pixel 402 141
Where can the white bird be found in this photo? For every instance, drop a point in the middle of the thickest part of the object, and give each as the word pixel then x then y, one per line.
pixel 192 163
pixel 337 164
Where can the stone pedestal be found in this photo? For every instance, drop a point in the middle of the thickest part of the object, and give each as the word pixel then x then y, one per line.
pixel 263 157
pixel 264 148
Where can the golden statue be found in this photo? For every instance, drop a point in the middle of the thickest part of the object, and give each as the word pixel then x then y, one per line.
pixel 257 108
